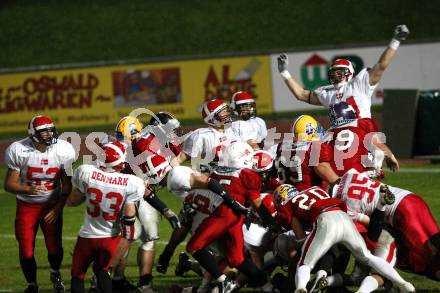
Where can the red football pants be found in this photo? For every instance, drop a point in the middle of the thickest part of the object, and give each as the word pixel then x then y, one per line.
pixel 415 224
pixel 27 219
pixel 97 250
pixel 225 225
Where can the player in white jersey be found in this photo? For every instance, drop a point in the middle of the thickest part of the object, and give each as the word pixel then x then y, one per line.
pixel 205 145
pixel 248 126
pixel 418 234
pixel 38 173
pixel 355 90
pixel 110 198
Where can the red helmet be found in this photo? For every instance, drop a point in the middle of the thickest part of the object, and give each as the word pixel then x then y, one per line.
pixel 39 124
pixel 341 71
pixel 262 161
pixel 243 105
pixel 113 156
pixel 216 113
pixel 157 168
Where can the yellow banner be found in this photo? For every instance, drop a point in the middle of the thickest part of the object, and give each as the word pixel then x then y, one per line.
pixel 102 95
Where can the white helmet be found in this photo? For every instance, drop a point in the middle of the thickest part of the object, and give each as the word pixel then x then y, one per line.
pixel 238 155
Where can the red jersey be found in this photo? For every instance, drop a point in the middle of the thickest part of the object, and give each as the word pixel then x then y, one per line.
pixel 295 163
pixel 349 146
pixel 307 205
pixel 242 184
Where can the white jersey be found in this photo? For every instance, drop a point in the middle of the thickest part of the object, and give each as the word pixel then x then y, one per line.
pixel 106 193
pixel 37 168
pixel 252 129
pixel 357 93
pixel 362 194
pixel 206 145
pixel 203 200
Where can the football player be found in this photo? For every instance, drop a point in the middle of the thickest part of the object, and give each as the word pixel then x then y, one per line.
pixel 109 196
pixel 248 126
pixel 205 145
pixel 243 184
pixel 354 144
pixel 37 175
pixel 143 148
pixel 314 208
pixel 305 162
pixel 410 217
pixel 344 85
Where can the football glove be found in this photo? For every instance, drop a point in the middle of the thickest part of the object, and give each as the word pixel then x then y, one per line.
pixel 172 218
pixel 283 61
pixel 401 32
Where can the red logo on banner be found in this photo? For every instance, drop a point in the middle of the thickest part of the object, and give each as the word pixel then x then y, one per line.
pixel 222 86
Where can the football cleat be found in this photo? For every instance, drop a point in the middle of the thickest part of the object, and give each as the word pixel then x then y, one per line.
pixel 183 265
pixel 146 289
pixel 32 288
pixel 122 285
pixel 57 281
pixel 386 196
pixel 163 262
pixel 227 286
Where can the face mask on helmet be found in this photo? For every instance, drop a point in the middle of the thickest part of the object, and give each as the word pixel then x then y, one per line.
pixel 340 72
pixel 167 125
pixel 128 128
pixel 243 105
pixel 42 130
pixel 112 157
pixel 306 128
pixel 237 155
pixel 341 113
pixel 283 193
pixel 216 113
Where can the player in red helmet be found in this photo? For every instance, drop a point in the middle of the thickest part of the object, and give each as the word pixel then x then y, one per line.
pixel 109 195
pixel 205 145
pixel 248 126
pixel 344 85
pixel 37 175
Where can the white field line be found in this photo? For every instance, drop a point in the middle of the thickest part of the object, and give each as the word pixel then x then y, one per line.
pixel 71 238
pixel 419 170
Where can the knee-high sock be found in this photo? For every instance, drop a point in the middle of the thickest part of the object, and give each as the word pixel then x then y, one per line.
pixel 29 268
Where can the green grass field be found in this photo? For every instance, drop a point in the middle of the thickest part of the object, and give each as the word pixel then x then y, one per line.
pixel 424 180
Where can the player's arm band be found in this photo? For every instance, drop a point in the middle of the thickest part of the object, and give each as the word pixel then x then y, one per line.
pixel 216 187
pixel 128 227
pixel 156 203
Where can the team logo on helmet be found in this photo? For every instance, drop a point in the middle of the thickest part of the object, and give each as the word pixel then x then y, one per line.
pixel 306 128
pixel 237 155
pixel 128 128
pixel 283 193
pixel 157 167
pixel 112 158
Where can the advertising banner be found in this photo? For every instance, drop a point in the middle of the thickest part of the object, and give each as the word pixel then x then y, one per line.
pixel 102 95
pixel 413 67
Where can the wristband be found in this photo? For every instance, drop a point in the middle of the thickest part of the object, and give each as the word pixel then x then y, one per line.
pixel 285 74
pixel 394 44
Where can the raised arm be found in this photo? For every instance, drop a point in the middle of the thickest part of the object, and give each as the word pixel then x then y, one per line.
pixel 297 90
pixel 401 32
